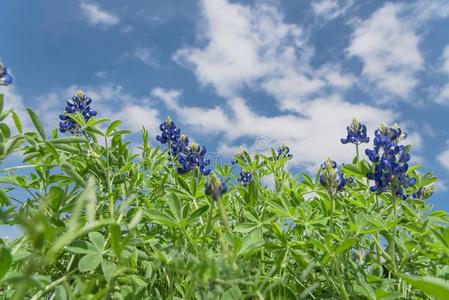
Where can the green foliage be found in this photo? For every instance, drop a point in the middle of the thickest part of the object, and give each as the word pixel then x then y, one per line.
pixel 102 222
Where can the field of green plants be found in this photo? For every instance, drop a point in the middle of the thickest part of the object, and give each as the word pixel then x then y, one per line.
pixel 103 220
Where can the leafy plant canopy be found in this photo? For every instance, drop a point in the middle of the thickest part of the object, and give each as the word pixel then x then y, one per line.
pixel 102 220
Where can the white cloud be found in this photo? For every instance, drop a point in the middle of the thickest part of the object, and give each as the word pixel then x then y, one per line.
pixel 146 55
pixel 443 94
pixel 312 137
pixel 425 10
pixel 97 16
pixel 388 48
pixel 443 158
pixel 252 47
pixel 445 57
pixel 331 9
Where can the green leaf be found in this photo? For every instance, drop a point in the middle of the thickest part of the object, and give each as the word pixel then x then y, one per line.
pixel 5 261
pixel 252 243
pixel 431 286
pixel 108 269
pixel 245 227
pixel 55 197
pixel 79 247
pixel 161 218
pixel 116 235
pixel 97 240
pixel 112 126
pixel 17 122
pixel 37 123
pixel 89 262
pixel 352 169
pixel 279 233
pixel 68 140
pixel 346 245
pixel 4 199
pixel 73 174
pixel 198 213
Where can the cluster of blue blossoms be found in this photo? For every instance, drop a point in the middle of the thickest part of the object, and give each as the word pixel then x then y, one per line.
pixel 245 177
pixel 78 103
pixel 390 161
pixel 5 78
pixel 356 134
pixel 331 177
pixel 284 152
pixel 189 155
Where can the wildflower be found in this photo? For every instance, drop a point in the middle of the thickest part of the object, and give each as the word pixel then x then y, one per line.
pixel 331 177
pixel 245 177
pixel 193 156
pixel 5 78
pixel 390 161
pixel 214 187
pixel 356 134
pixel 170 134
pixel 78 103
pixel 239 154
pixel 423 193
pixel 284 151
pixel 179 145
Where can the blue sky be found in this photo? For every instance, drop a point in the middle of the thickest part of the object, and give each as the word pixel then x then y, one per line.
pixel 242 73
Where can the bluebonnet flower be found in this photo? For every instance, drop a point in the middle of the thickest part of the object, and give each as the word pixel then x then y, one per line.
pixel 193 156
pixel 284 152
pixel 245 177
pixel 189 155
pixel 356 134
pixel 170 134
pixel 5 78
pixel 78 103
pixel 390 161
pixel 423 193
pixel 331 178
pixel 215 187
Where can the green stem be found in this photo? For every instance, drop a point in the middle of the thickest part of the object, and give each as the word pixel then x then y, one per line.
pixel 357 152
pixel 393 231
pixel 341 284
pixel 208 226
pixel 331 221
pixel 378 254
pixel 108 181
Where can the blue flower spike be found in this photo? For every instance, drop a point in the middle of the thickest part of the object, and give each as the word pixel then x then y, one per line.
pixel 423 193
pixel 331 178
pixel 170 134
pixel 5 78
pixel 390 161
pixel 78 103
pixel 188 155
pixel 193 156
pixel 284 152
pixel 245 178
pixel 356 134
pixel 215 187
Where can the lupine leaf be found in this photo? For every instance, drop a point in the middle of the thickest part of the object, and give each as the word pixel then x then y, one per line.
pixel 37 122
pixel 5 261
pixel 431 286
pixel 89 262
